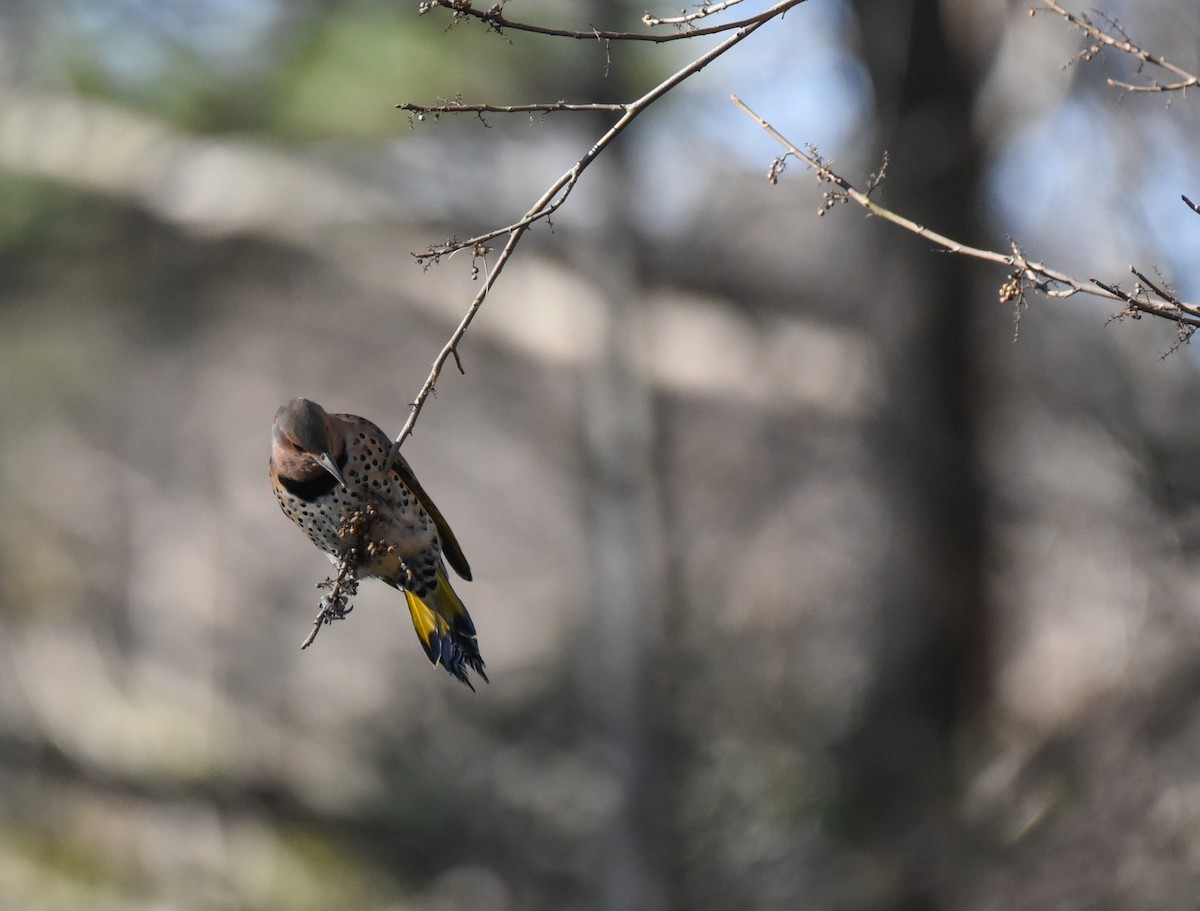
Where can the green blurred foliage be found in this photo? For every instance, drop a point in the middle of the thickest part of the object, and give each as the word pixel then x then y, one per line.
pixel 338 70
pixel 35 215
pixel 344 76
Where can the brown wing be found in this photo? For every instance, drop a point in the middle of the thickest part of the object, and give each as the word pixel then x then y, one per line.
pixel 450 548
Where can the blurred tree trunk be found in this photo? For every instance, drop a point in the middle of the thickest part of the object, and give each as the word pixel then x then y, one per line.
pixel 623 637
pixel 932 664
pixel 624 634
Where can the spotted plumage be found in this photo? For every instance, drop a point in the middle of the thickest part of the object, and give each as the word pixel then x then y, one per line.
pixel 327 472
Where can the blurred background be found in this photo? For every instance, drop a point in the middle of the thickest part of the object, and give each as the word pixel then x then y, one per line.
pixel 800 584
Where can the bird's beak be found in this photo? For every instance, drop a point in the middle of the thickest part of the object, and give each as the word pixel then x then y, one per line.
pixel 325 460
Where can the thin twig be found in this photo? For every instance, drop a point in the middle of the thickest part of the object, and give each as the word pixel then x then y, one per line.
pixel 1026 272
pixel 554 197
pixel 706 8
pixel 538 108
pixel 493 17
pixel 1124 45
pixel 544 208
pixel 1166 305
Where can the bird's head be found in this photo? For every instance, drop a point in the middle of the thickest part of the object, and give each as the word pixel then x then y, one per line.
pixel 305 441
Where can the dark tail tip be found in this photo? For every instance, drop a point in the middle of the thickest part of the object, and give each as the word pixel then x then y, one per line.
pixel 458 652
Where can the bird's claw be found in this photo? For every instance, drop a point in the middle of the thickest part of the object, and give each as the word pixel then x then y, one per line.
pixel 334 608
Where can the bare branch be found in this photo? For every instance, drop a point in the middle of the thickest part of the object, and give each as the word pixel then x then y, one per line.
pixel 1122 43
pixel 1148 297
pixel 554 197
pixel 539 108
pixel 493 17
pixel 706 8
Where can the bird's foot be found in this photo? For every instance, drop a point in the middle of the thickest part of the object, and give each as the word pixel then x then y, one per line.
pixel 335 607
pixel 335 603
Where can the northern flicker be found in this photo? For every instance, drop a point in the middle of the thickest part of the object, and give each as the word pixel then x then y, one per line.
pixel 327 471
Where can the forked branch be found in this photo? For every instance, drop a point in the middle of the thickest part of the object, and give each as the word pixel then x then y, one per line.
pixel 554 196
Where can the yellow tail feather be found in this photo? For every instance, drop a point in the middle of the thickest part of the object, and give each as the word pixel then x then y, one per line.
pixel 446 631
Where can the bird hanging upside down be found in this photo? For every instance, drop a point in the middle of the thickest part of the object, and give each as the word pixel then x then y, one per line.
pixel 327 471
